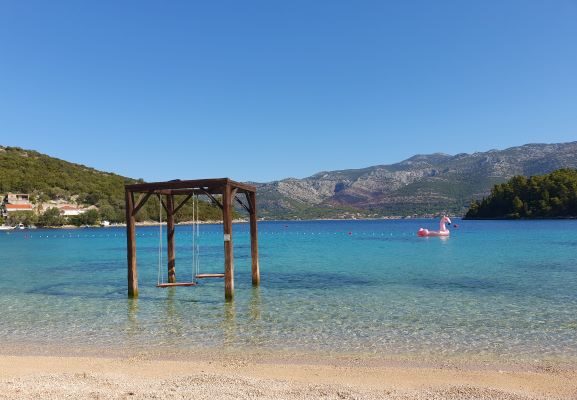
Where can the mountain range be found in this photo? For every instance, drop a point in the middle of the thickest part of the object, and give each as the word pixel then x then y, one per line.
pixel 420 185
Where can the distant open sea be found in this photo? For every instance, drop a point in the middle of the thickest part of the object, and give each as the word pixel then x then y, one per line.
pixel 494 289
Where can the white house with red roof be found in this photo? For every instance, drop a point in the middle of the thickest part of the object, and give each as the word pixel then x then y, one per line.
pixel 14 202
pixel 68 210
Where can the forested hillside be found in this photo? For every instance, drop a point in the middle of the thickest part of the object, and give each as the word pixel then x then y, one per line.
pixel 546 196
pixel 46 178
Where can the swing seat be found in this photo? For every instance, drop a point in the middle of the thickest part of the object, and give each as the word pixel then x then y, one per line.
pixel 205 276
pixel 175 284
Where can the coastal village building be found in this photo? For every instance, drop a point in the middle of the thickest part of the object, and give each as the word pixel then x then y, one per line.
pixel 14 202
pixel 69 211
pixel 17 198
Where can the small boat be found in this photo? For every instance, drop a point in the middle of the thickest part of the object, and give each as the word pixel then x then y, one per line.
pixel 20 226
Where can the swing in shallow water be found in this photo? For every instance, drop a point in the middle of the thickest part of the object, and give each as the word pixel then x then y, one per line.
pixel 224 192
pixel 195 251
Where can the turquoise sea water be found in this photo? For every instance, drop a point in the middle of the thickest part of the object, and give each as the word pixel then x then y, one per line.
pixel 505 289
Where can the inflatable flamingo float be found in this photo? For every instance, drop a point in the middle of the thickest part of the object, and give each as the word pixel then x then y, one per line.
pixel 443 231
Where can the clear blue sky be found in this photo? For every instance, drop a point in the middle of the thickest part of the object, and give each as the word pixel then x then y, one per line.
pixel 263 90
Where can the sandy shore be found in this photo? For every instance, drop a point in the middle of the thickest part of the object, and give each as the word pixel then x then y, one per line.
pixel 226 376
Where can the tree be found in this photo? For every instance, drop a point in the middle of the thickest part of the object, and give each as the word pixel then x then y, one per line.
pixel 51 217
pixel 107 213
pixel 546 196
pixel 22 217
pixel 518 205
pixel 90 217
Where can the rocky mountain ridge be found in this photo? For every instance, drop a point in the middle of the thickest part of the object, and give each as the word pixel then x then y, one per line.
pixel 418 185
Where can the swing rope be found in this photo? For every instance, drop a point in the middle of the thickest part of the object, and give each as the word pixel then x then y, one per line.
pixel 195 267
pixel 160 275
pixel 195 239
pixel 196 244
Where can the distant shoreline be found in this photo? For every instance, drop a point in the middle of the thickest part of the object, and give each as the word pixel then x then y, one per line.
pixel 520 219
pixel 244 221
pixel 235 221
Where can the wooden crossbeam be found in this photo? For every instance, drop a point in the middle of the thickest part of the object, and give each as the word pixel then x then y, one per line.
pixel 142 199
pixel 186 191
pixel 248 200
pixel 163 205
pixel 215 201
pixel 191 184
pixel 182 203
pixel 242 204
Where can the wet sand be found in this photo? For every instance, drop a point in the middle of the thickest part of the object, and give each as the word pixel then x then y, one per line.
pixel 220 375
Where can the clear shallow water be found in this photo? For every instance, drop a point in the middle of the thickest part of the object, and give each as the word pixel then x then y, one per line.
pixel 493 289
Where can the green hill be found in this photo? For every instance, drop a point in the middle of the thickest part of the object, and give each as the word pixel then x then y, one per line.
pixel 546 196
pixel 46 178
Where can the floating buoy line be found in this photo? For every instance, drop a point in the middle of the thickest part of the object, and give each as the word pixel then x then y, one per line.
pixel 25 235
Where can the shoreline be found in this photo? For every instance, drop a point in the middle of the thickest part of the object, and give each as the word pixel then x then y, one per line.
pixel 521 219
pixel 297 355
pixel 273 375
pixel 244 221
pixel 138 224
pixel 234 221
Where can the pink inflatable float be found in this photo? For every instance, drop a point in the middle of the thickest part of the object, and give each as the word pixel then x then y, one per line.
pixel 443 231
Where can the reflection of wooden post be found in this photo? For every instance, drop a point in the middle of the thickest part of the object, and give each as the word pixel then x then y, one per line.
pixel 253 240
pixel 228 254
pixel 170 238
pixel 131 245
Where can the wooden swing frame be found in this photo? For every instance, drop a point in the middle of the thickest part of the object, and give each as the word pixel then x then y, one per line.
pixel 230 192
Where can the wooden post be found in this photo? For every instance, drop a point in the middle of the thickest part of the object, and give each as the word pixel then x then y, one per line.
pixel 170 238
pixel 228 253
pixel 253 239
pixel 131 245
